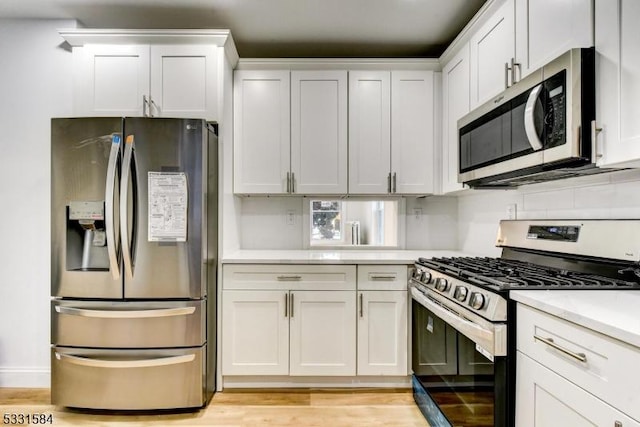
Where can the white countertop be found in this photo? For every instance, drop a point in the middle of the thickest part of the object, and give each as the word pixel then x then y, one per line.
pixel 612 313
pixel 333 256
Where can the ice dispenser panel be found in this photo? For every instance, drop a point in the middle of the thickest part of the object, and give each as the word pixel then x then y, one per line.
pixel 86 236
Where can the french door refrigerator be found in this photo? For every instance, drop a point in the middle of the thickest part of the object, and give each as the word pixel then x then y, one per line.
pixel 133 270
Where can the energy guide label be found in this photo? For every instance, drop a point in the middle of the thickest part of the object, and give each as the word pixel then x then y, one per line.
pixel 167 206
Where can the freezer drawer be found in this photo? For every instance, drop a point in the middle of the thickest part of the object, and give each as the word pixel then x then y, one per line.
pixel 120 324
pixel 128 379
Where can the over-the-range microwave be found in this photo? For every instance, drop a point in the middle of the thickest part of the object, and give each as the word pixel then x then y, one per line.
pixel 541 128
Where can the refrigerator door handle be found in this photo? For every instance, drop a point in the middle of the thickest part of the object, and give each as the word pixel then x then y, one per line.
pixel 128 171
pixel 112 170
pixel 123 364
pixel 126 314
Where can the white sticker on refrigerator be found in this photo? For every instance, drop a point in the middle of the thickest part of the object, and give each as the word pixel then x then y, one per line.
pixel 167 207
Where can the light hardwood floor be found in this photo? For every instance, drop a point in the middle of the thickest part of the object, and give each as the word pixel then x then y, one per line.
pixel 299 408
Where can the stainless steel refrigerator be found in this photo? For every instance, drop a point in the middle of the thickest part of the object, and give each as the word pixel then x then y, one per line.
pixel 133 262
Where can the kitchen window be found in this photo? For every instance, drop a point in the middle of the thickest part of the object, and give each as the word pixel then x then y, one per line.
pixel 350 223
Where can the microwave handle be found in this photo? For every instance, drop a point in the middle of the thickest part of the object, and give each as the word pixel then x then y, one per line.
pixel 529 125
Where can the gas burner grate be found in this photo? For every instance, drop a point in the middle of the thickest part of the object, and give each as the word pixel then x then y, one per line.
pixel 513 274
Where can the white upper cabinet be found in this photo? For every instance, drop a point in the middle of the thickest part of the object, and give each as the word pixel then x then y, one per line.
pixel 318 132
pixel 261 145
pixel 521 36
pixel 412 132
pixel 183 81
pixel 545 29
pixel 492 50
pixel 111 80
pixel 455 104
pixel 618 82
pixel 369 132
pixel 147 80
pixel 391 132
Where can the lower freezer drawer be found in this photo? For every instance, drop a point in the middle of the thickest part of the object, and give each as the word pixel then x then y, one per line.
pixel 128 379
pixel 128 324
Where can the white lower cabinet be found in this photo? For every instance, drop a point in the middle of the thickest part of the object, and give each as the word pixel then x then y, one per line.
pixel 382 333
pixel 322 333
pixel 256 333
pixel 568 375
pixel 289 320
pixel 310 321
pixel 545 399
pixel 382 320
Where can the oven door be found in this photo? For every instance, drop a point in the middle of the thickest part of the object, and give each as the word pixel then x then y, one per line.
pixel 459 364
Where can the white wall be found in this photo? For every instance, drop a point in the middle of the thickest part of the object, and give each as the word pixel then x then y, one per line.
pixel 36 84
pixel 263 224
pixel 611 196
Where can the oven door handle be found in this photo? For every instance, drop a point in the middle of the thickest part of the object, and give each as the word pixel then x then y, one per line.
pixel 492 340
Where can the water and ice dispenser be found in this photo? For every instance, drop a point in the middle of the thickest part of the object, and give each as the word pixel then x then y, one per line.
pixel 86 236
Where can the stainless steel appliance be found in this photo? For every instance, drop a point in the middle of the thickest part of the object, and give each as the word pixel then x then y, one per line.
pixel 133 262
pixel 464 322
pixel 540 129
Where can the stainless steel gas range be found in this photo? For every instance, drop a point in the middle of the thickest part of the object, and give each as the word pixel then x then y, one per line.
pixel 464 322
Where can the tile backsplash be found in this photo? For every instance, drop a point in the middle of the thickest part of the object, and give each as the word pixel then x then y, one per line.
pixel 467 222
pixel 605 196
pixel 264 225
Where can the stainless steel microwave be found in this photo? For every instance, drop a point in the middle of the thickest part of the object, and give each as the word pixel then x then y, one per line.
pixel 540 129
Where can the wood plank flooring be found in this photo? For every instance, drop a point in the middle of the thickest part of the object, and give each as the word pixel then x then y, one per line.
pixel 245 408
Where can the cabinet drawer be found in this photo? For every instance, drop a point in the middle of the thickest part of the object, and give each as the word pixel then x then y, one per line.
pixel 382 277
pixel 127 379
pixel 125 324
pixel 289 276
pixel 544 398
pixel 606 366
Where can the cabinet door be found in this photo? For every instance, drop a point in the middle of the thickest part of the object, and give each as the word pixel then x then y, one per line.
pixel 455 104
pixel 434 344
pixel 255 339
pixel 492 46
pixel 319 132
pixel 183 81
pixel 261 141
pixel 323 333
pixel 369 132
pixel 412 135
pixel 544 398
pixel 618 82
pixel 112 80
pixel 382 333
pixel 545 29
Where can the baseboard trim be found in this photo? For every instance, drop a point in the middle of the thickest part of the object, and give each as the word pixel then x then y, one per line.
pixel 315 382
pixel 25 377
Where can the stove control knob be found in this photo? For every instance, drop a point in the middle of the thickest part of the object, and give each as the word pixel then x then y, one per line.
pixel 460 293
pixel 416 274
pixel 441 284
pixel 426 277
pixel 476 300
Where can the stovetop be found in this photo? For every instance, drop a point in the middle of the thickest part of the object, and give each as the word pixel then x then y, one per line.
pixel 505 274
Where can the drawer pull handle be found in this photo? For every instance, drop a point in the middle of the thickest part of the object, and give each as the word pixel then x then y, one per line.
pixel 382 278
pixel 124 364
pixel 126 314
pixel 289 278
pixel 549 341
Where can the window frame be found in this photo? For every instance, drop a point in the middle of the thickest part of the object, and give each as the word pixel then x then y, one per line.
pixel 306 220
